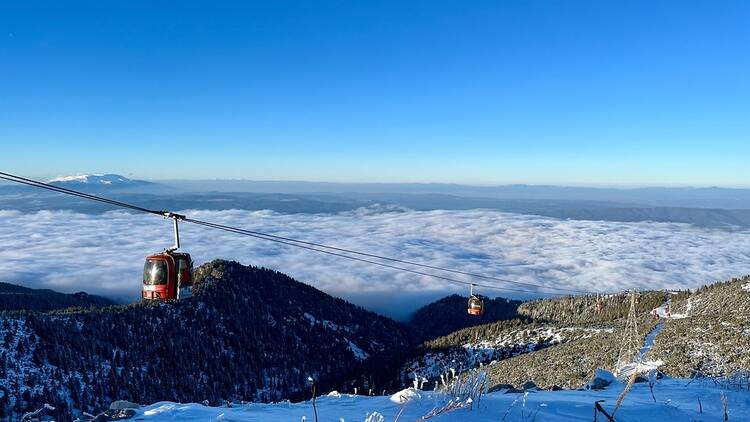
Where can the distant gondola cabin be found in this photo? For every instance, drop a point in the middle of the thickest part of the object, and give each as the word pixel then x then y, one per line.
pixel 476 306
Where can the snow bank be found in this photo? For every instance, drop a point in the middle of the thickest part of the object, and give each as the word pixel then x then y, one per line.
pixel 664 312
pixel 406 395
pixel 625 371
pixel 675 400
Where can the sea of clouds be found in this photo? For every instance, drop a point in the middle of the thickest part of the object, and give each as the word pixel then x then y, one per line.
pixel 103 254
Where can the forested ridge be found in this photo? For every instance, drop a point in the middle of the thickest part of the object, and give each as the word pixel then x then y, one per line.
pixel 449 314
pixel 248 334
pixel 13 298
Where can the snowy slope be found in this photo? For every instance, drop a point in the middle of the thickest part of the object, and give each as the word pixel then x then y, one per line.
pixel 707 332
pixel 641 365
pixel 101 182
pixel 676 400
pixel 502 345
pixel 93 179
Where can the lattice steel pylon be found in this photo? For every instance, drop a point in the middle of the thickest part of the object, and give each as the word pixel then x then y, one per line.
pixel 630 341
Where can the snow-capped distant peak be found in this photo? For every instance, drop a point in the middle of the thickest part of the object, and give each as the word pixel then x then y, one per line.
pixel 93 179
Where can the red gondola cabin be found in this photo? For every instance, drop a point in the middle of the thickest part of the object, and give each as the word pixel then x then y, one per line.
pixel 168 275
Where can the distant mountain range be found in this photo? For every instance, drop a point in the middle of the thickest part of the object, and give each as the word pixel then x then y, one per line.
pixel 84 182
pixel 13 298
pixel 689 197
pixel 686 197
pixel 112 181
pixel 703 207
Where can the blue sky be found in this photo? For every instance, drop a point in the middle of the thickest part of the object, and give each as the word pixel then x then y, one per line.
pixel 562 92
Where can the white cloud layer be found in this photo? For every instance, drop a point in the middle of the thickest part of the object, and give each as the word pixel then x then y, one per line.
pixel 103 254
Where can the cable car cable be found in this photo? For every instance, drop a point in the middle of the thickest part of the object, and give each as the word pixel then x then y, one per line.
pixel 239 231
pixel 280 239
pixel 401 261
pixel 291 242
pixel 59 189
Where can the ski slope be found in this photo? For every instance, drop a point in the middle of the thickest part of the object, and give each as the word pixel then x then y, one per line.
pixel 641 365
pixel 676 400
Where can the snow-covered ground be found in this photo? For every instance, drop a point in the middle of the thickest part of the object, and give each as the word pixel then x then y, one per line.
pixel 641 365
pixel 676 400
pixel 665 312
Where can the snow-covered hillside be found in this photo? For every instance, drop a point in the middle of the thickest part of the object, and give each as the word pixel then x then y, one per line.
pixel 105 179
pixel 707 332
pixel 430 365
pixel 110 180
pixel 247 334
pixel 673 399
